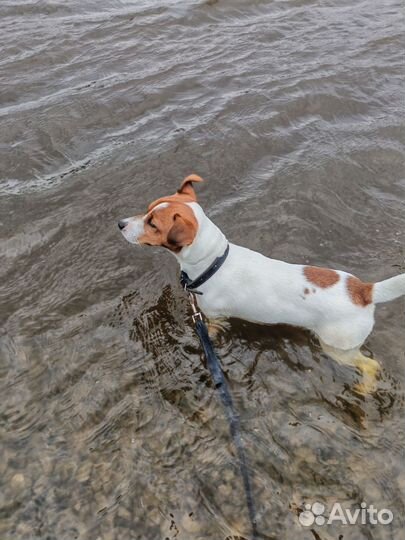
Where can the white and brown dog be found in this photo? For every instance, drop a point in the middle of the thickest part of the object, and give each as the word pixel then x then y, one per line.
pixel 336 306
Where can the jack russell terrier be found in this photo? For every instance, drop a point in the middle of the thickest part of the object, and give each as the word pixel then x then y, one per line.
pixel 233 281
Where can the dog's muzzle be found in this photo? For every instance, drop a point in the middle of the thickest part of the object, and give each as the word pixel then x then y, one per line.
pixel 132 228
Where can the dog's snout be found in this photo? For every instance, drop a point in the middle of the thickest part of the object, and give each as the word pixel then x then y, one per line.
pixel 122 224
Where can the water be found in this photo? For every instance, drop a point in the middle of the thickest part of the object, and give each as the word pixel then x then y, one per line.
pixel 292 110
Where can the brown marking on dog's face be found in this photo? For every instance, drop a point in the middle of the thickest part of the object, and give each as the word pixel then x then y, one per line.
pixel 173 227
pixel 321 277
pixel 306 290
pixel 184 194
pixel 360 293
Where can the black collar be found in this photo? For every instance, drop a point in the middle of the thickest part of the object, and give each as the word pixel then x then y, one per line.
pixel 190 285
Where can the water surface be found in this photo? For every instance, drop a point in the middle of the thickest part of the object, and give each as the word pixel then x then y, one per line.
pixel 293 112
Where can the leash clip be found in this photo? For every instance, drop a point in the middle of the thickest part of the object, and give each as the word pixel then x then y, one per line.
pixel 197 315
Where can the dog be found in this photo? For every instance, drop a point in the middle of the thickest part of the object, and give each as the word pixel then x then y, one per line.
pixel 335 305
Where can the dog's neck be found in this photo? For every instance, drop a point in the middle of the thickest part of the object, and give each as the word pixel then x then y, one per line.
pixel 208 244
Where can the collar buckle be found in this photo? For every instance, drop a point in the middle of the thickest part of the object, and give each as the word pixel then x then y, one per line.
pixel 190 285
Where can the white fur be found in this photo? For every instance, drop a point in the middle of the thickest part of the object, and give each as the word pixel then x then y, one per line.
pixel 134 229
pixel 256 288
pixel 389 289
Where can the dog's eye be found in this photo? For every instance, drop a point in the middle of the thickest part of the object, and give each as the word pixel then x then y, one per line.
pixel 150 222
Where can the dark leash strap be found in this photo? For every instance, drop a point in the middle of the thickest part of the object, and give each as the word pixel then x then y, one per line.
pixel 233 419
pixel 192 284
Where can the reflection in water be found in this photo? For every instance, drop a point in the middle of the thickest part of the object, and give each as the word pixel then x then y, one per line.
pixel 110 425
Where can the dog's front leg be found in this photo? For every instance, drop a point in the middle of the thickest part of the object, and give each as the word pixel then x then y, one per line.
pixel 217 327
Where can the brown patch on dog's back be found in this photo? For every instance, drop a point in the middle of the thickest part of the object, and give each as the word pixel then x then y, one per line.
pixel 321 277
pixel 360 293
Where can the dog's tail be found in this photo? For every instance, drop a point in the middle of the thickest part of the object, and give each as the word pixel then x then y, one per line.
pixel 389 289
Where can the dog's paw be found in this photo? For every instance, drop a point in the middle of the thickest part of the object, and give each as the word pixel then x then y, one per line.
pixel 369 370
pixel 217 328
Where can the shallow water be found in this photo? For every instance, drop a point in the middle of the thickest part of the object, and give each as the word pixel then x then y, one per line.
pixel 292 110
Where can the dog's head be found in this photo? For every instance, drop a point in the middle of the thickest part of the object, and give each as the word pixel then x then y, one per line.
pixel 169 221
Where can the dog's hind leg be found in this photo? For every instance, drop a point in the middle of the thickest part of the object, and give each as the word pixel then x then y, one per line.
pixel 368 367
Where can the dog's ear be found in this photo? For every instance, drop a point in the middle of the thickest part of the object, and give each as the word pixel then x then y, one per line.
pixel 186 187
pixel 182 232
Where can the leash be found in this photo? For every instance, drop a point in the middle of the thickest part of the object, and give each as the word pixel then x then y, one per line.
pixel 233 419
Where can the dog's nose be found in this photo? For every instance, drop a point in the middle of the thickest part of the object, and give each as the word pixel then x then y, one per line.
pixel 121 224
